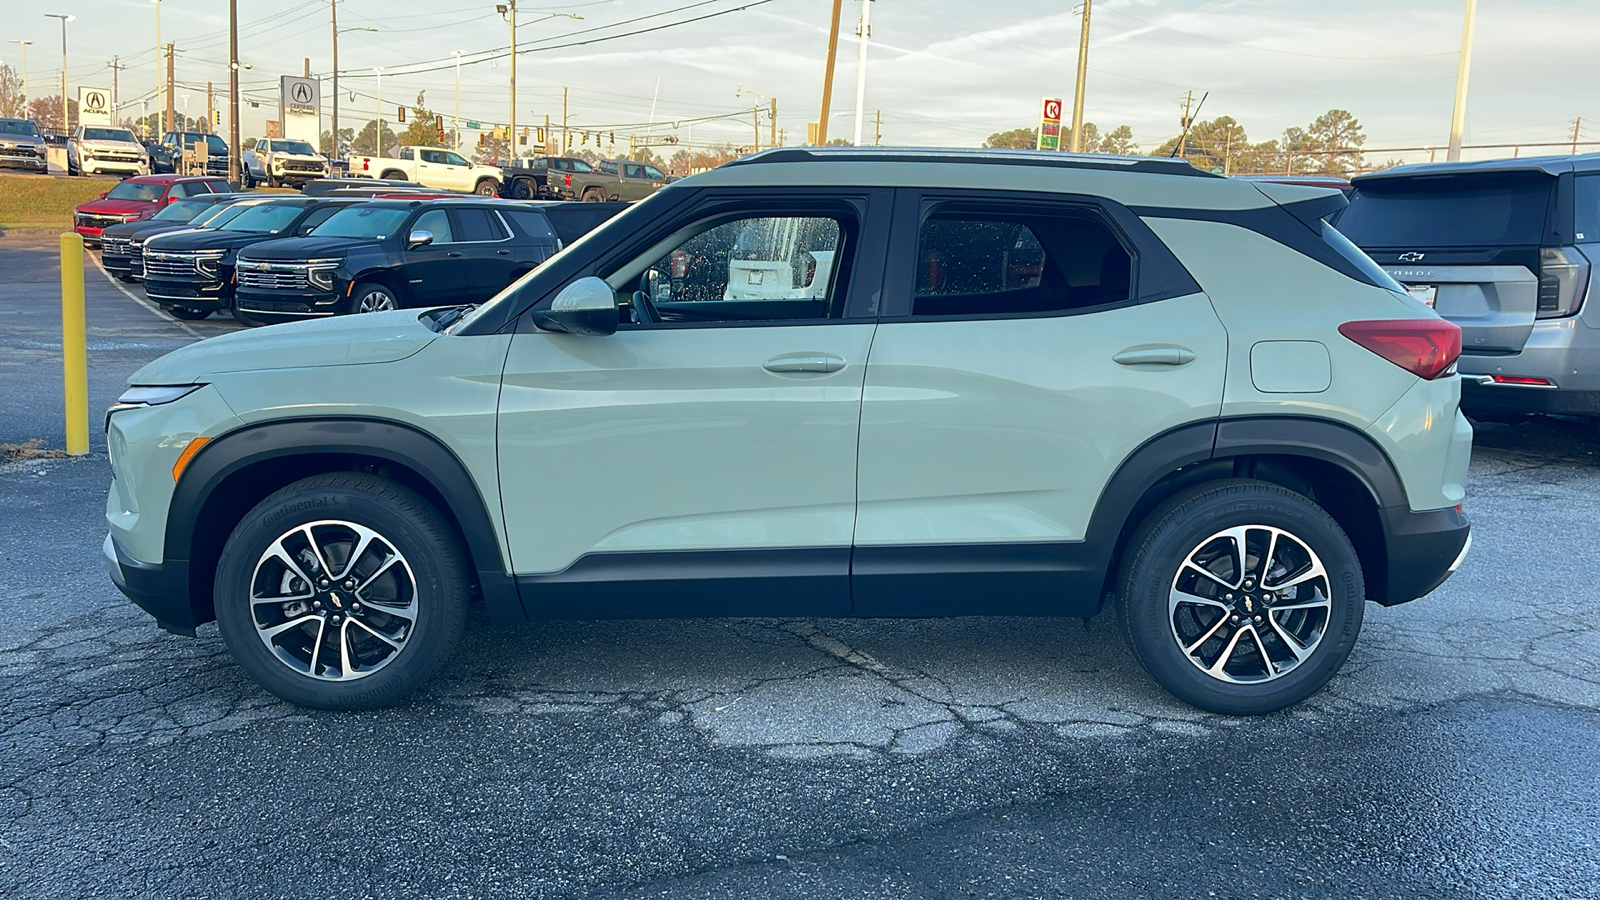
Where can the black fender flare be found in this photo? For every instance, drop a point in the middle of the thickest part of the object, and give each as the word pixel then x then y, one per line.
pixel 357 437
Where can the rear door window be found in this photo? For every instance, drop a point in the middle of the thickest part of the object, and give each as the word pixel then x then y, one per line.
pixel 1477 210
pixel 531 224
pixel 479 225
pixel 983 265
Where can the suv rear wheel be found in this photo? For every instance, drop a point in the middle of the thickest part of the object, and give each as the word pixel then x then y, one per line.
pixel 1241 597
pixel 342 591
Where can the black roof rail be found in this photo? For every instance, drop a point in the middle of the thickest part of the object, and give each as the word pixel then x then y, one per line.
pixel 976 156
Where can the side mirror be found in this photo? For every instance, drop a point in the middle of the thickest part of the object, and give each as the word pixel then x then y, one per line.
pixel 418 238
pixel 586 306
pixel 103 194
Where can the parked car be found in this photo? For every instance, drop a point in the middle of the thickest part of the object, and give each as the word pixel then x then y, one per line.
pixel 137 198
pixel 169 154
pixel 1505 249
pixel 323 187
pixel 433 167
pixel 122 246
pixel 278 161
pixel 21 145
pixel 191 273
pixel 828 383
pixel 525 179
pixel 612 180
pixel 96 149
pixel 389 254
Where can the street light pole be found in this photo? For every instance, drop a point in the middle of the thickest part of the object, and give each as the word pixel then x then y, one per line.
pixel 861 69
pixel 233 92
pixel 377 131
pixel 1458 115
pixel 827 75
pixel 458 101
pixel 161 82
pixel 333 5
pixel 64 20
pixel 24 71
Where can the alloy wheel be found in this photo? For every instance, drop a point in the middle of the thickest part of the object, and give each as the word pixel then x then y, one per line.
pixel 1249 604
pixel 333 600
pixel 375 301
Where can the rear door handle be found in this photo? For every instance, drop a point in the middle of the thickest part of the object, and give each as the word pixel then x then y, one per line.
pixel 1155 356
pixel 819 362
pixel 503 252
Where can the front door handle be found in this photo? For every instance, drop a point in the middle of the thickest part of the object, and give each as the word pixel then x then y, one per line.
pixel 1155 356
pixel 817 362
pixel 503 252
pixel 453 253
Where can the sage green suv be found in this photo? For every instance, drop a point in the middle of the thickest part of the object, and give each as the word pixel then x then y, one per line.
pixel 829 383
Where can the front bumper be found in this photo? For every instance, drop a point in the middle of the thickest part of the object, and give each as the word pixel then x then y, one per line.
pixel 123 166
pixel 290 304
pixel 28 163
pixel 1423 550
pixel 117 265
pixel 213 295
pixel 160 589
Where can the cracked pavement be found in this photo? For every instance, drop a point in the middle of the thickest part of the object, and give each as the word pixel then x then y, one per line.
pixel 1453 756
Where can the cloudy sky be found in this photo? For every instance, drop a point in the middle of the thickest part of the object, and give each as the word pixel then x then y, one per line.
pixel 943 72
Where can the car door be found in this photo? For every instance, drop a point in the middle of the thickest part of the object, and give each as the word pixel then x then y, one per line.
pixel 635 184
pixel 1028 346
pixel 460 171
pixel 433 273
pixel 487 252
pixel 701 460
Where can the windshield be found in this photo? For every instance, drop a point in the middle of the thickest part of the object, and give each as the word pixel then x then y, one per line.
pixel 268 218
pixel 182 211
pixel 301 147
pixel 215 146
pixel 363 222
pixel 24 128
pixel 144 192
pixel 109 134
pixel 1476 210
pixel 219 214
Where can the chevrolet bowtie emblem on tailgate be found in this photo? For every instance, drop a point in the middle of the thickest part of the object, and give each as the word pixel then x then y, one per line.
pixel 1413 256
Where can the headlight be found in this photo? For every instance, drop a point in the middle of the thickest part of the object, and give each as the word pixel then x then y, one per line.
pixel 321 279
pixel 150 395
pixel 131 217
pixel 207 265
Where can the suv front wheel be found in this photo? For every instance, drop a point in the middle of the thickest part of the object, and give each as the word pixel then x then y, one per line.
pixel 1241 597
pixel 342 591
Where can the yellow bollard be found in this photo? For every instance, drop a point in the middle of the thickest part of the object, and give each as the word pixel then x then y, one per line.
pixel 74 350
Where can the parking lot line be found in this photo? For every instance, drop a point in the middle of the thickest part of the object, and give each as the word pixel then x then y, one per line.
pixel 140 300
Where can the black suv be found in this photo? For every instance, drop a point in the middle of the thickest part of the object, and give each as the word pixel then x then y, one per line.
pixel 165 156
pixel 191 274
pixel 122 246
pixel 386 254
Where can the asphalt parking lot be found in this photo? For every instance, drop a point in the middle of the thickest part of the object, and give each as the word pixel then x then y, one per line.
pixel 1454 756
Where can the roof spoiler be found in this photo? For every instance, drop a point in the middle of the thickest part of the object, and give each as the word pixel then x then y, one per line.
pixel 1310 205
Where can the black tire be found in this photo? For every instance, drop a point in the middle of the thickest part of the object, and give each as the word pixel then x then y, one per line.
pixel 1182 529
pixel 359 297
pixel 521 190
pixel 487 188
pixel 434 564
pixel 193 315
pixel 594 195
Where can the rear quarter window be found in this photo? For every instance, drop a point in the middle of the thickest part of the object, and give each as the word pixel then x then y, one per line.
pixel 1587 200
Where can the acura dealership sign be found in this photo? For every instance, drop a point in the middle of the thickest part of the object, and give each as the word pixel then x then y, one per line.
pixel 300 108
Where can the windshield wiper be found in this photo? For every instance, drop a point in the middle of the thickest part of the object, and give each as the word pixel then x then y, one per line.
pixel 440 319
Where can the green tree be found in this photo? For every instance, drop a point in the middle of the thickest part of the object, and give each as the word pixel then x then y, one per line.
pixel 1091 138
pixel 1119 141
pixel 47 112
pixel 13 102
pixel 1213 145
pixel 346 135
pixel 423 125
pixel 364 143
pixel 1015 139
pixel 1337 137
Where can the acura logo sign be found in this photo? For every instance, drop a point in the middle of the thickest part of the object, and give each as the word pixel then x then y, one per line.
pixel 302 93
pixel 1412 256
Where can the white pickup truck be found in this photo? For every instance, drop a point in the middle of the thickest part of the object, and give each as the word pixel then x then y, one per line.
pixel 278 161
pixel 433 167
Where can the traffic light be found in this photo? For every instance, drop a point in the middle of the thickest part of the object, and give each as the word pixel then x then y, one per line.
pixel 438 122
pixel 539 133
pixel 402 116
pixel 216 117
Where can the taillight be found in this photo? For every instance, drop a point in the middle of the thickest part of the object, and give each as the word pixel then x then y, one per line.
pixel 569 179
pixel 1563 281
pixel 1427 348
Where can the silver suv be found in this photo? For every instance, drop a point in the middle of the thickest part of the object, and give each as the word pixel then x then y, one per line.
pixel 1504 249
pixel 21 146
pixel 828 383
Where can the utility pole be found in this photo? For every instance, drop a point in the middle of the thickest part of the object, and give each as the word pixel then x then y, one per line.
pixel 861 68
pixel 827 76
pixel 333 149
pixel 377 133
pixel 458 100
pixel 233 92
pixel 1083 70
pixel 545 147
pixel 171 100
pixel 566 140
pixel 1183 139
pixel 772 133
pixel 755 119
pixel 511 17
pixel 64 20
pixel 160 82
pixel 1463 69
pixel 211 106
pixel 116 68
pixel 877 130
pixel 24 45
pixel 1577 128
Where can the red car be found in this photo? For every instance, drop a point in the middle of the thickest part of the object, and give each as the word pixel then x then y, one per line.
pixel 138 198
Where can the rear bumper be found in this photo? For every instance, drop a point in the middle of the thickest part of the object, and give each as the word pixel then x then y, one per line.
pixel 1424 549
pixel 160 589
pixel 1514 399
pixel 1564 352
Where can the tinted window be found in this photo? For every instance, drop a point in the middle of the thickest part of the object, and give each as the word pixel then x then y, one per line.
pixel 1449 211
pixel 182 211
pixel 220 215
pixel 750 270
pixel 405 153
pixel 1360 260
pixel 317 217
pixel 653 172
pixel 185 188
pixel 15 127
pixel 268 218
pixel 479 225
pixel 108 134
pixel 983 265
pixel 530 224
pixel 633 171
pixel 432 156
pixel 301 147
pixel 1588 203
pixel 436 221
pixel 363 222
pixel 133 190
pixel 454 159
pixel 215 146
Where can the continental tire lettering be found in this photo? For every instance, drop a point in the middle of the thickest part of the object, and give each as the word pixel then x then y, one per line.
pixel 285 512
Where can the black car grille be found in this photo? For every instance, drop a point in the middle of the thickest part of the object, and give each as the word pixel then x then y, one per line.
pixel 115 246
pixel 170 265
pixel 26 152
pixel 296 166
pixel 258 276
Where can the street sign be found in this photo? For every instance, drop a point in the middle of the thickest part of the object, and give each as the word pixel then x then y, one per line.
pixel 473 123
pixel 94 106
pixel 1049 124
pixel 300 108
